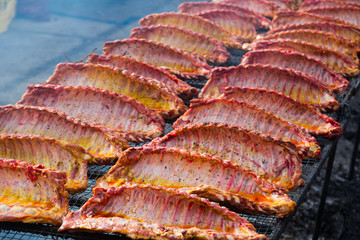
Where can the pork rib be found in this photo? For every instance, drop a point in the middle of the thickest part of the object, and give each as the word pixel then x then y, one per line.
pixel 183 89
pixel 346 1
pixel 204 47
pixel 51 123
pixel 199 7
pixel 347 32
pixel 193 23
pixel 159 55
pixel 204 176
pixel 58 155
pixel 300 62
pixel 291 83
pixel 31 193
pixel 233 22
pixel 152 93
pixel 117 112
pixel 283 19
pixel 145 211
pixel 349 1
pixel 349 15
pixel 284 4
pixel 338 61
pixel 272 159
pixel 287 109
pixel 308 5
pixel 262 7
pixel 318 38
pixel 248 117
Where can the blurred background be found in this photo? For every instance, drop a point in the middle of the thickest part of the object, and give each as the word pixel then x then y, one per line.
pixel 44 33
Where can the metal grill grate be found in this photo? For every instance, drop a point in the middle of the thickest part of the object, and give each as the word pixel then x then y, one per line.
pixel 271 226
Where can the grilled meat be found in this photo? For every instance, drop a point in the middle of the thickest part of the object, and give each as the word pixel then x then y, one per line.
pixel 261 7
pixel 117 112
pixel 233 22
pixel 248 117
pixel 346 14
pixel 183 89
pixel 204 47
pixel 284 19
pixel 347 32
pixel 58 155
pixel 204 176
pixel 318 38
pixel 284 4
pixel 314 4
pixel 300 62
pixel 193 23
pixel 287 109
pixel 159 55
pixel 31 193
pixel 49 122
pixel 199 7
pixel 151 93
pixel 338 61
pixel 291 83
pixel 158 213
pixel 272 159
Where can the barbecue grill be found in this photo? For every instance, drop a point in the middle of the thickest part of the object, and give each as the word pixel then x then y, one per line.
pixel 271 226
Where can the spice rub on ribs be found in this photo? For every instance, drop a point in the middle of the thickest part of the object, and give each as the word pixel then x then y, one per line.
pixel 195 24
pixel 158 213
pixel 262 7
pixel 346 14
pixel 183 89
pixel 206 177
pixel 291 83
pixel 271 159
pixel 284 4
pixel 318 38
pixel 300 62
pixel 233 22
pixel 200 7
pixel 204 47
pixel 338 61
pixel 347 32
pixel 31 193
pixel 117 112
pixel 287 109
pixel 284 19
pixel 159 55
pixel 54 154
pixel 102 144
pixel 314 4
pixel 248 117
pixel 151 93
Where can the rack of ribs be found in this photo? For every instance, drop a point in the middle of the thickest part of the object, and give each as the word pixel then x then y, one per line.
pixel 31 193
pixel 158 213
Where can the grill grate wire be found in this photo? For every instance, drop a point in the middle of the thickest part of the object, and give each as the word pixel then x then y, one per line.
pixel 271 226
